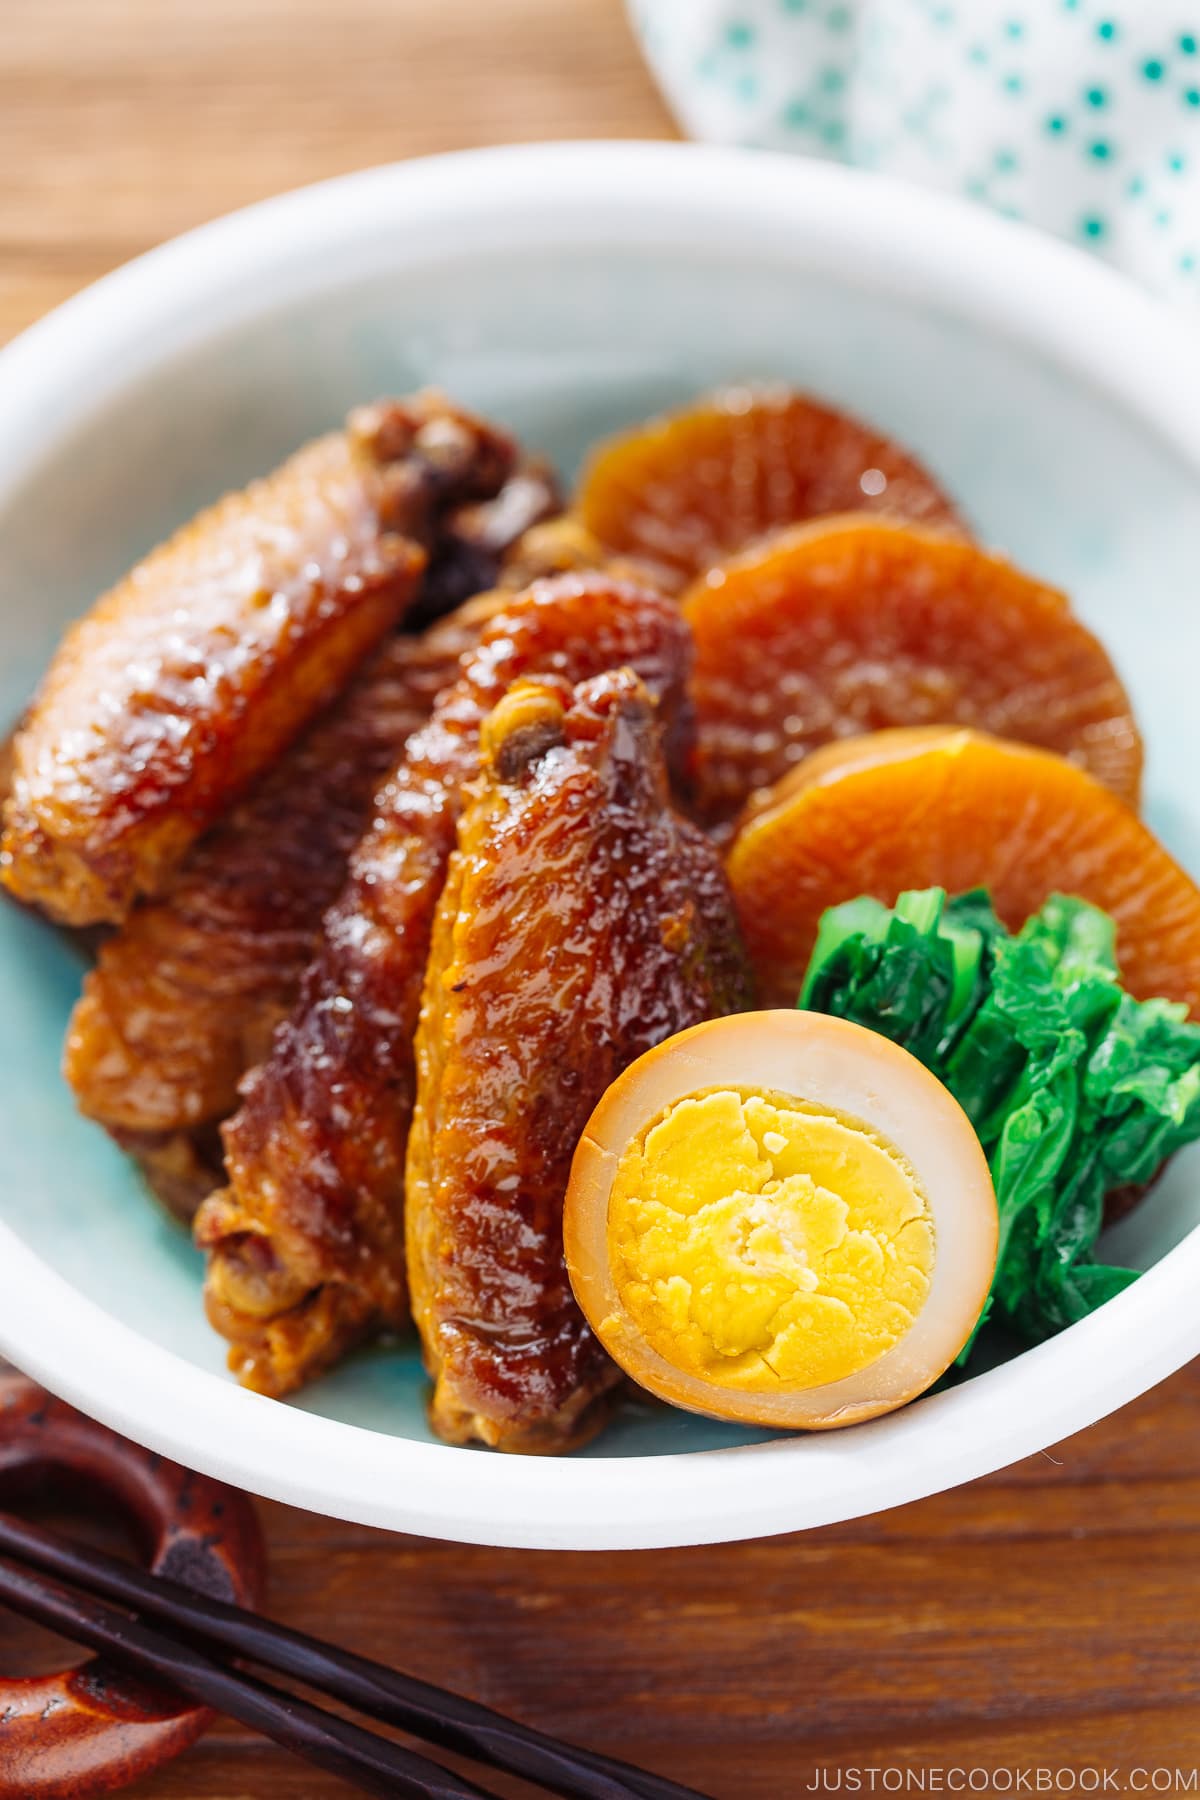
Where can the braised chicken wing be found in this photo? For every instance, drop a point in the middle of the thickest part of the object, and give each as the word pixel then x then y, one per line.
pixel 8 760
pixel 582 923
pixel 186 994
pixel 479 540
pixel 307 1241
pixel 187 679
pixel 180 1168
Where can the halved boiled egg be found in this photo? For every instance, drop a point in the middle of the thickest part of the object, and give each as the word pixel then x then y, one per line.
pixel 781 1218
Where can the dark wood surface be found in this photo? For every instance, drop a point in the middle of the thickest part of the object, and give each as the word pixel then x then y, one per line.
pixel 1047 1616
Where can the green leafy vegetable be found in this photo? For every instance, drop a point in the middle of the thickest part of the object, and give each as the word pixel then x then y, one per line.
pixel 1074 1088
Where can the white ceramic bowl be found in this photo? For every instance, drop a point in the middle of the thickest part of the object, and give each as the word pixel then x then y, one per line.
pixel 570 289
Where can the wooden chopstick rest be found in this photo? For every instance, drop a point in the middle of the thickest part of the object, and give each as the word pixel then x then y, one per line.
pixel 95 1728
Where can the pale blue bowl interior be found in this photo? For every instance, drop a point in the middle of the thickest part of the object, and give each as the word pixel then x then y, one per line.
pixel 563 348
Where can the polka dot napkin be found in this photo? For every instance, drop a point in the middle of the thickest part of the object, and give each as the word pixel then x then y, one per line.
pixel 1079 116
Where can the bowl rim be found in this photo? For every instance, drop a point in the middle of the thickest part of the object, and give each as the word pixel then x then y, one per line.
pixel 895 240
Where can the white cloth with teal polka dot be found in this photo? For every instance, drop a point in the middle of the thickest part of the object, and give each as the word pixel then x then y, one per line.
pixel 1080 117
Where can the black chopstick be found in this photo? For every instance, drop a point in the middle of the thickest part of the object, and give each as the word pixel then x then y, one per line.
pixel 373 1764
pixel 383 1694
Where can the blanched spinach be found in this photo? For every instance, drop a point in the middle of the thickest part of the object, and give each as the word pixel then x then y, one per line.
pixel 1074 1088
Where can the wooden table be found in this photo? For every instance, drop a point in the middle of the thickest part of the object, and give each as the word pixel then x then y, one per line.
pixel 1046 1616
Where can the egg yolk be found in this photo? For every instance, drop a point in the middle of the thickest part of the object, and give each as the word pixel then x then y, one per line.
pixel 758 1241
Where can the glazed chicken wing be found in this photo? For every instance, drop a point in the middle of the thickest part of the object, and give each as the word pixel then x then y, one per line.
pixel 582 923
pixel 186 993
pixel 8 758
pixel 307 1240
pixel 481 540
pixel 189 677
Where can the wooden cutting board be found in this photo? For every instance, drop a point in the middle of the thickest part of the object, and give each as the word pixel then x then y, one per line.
pixel 1044 1617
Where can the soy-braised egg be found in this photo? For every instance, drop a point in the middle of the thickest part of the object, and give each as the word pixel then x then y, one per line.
pixel 781 1218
